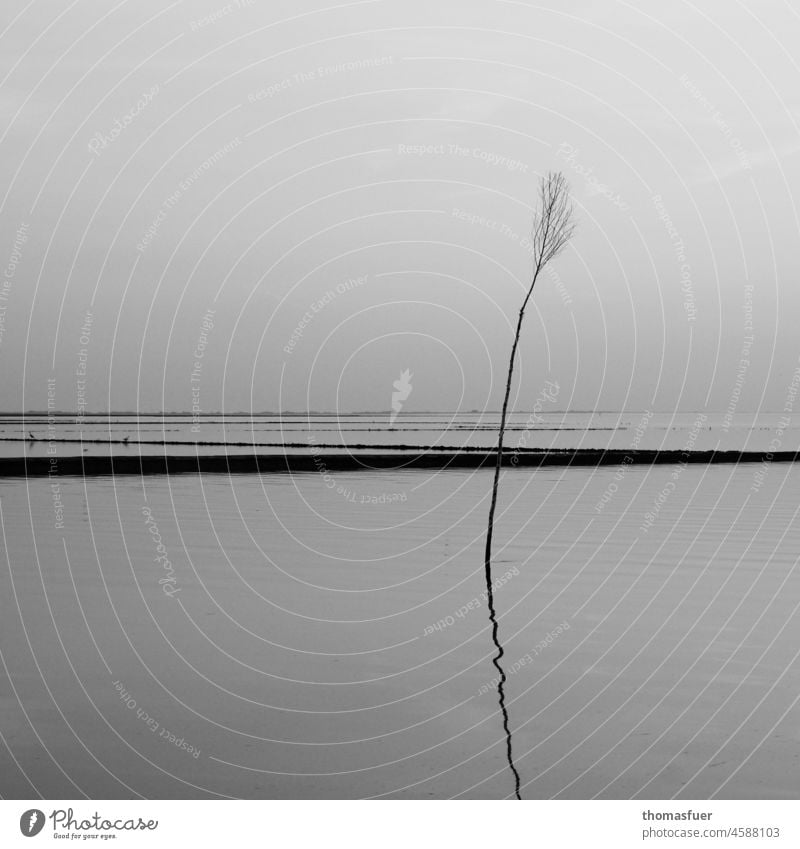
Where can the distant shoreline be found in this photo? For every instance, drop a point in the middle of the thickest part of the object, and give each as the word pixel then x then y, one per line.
pixel 366 461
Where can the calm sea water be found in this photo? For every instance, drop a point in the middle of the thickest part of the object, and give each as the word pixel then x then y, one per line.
pixel 270 636
pixel 236 434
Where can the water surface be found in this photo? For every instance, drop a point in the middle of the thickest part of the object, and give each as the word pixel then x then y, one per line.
pixel 296 639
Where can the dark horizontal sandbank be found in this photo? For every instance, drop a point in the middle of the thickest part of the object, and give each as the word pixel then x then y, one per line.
pixel 365 461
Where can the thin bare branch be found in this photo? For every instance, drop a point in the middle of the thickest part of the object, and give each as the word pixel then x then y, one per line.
pixel 553 221
pixel 553 226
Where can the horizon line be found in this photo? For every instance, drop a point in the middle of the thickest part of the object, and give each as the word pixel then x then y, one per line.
pixel 261 413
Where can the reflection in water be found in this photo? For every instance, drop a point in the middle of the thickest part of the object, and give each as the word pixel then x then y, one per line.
pixel 501 693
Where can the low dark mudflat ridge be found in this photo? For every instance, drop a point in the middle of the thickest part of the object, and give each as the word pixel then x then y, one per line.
pixel 367 460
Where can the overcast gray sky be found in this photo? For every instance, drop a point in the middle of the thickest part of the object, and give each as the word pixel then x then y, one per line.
pixel 192 179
